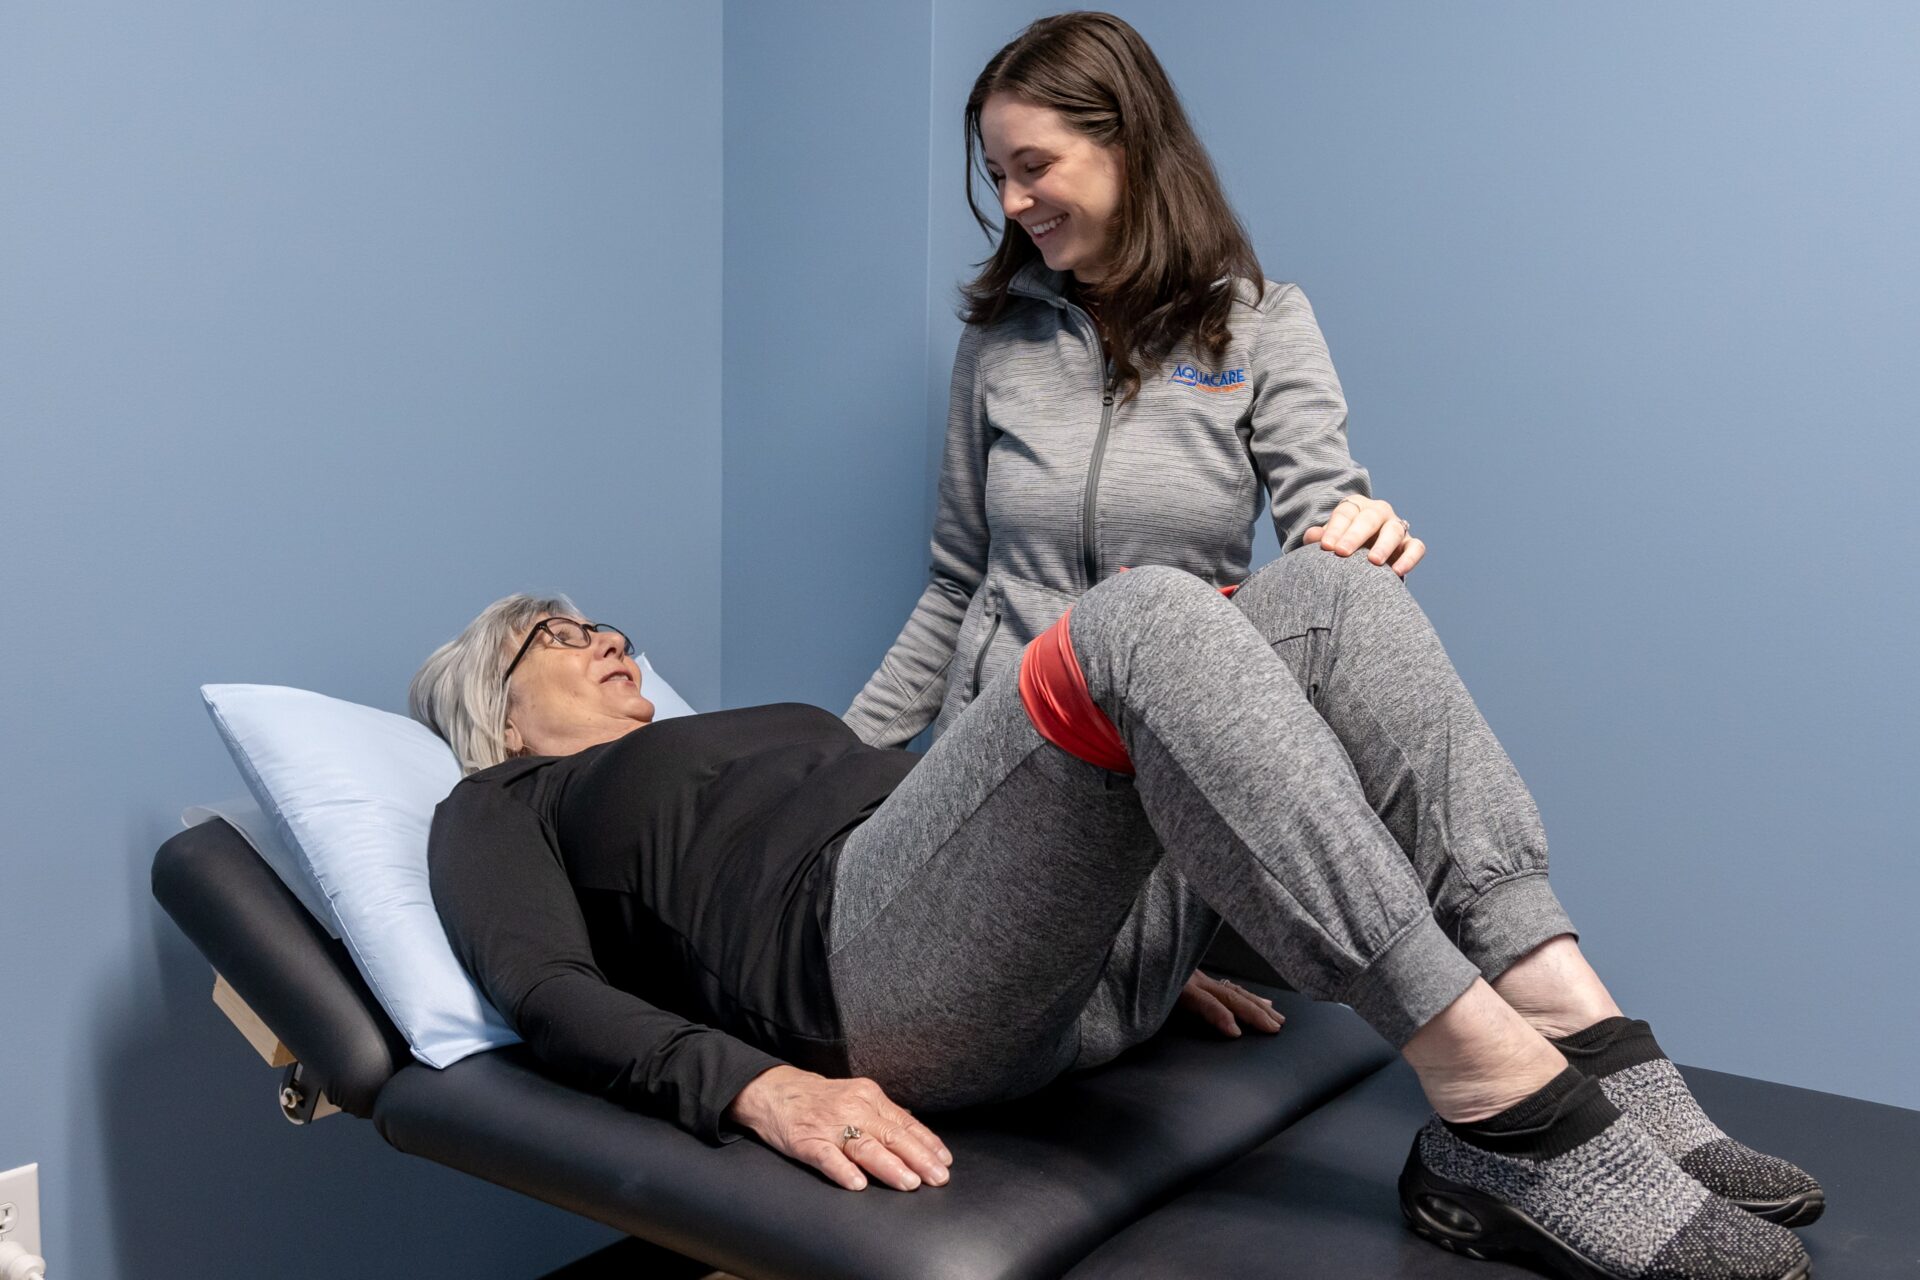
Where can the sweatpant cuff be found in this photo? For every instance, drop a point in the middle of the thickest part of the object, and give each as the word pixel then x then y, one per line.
pixel 1508 920
pixel 1418 975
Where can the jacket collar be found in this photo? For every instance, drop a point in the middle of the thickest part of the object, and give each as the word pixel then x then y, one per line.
pixel 1036 280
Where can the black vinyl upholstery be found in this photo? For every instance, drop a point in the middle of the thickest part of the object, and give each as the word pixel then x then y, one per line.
pixel 1037 1184
pixel 1189 1156
pixel 267 945
pixel 1327 1206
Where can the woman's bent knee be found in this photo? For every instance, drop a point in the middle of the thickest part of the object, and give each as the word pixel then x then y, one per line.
pixel 1153 589
pixel 1153 600
pixel 1311 571
pixel 1315 559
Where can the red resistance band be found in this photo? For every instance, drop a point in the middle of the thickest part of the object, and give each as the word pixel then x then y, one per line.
pixel 1053 689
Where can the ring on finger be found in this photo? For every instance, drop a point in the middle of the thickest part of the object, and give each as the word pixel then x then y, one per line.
pixel 850 1133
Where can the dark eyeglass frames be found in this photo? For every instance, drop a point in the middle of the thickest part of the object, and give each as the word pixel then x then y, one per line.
pixel 568 634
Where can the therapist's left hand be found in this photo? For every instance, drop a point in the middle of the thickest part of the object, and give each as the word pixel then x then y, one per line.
pixel 1371 523
pixel 1226 1006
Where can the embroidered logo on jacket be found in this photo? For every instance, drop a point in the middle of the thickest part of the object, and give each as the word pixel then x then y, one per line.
pixel 1188 375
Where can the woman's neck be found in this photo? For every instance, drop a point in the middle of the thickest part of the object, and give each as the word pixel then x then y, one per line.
pixel 1086 303
pixel 592 734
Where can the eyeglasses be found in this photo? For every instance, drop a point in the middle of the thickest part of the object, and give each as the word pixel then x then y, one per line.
pixel 568 634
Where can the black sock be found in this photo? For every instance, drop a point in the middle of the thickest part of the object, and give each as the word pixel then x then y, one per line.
pixel 1554 1119
pixel 1610 1045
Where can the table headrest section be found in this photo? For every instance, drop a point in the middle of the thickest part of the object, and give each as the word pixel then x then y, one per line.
pixel 268 947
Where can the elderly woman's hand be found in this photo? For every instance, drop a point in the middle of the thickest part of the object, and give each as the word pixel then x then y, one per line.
pixel 1357 522
pixel 1226 1006
pixel 805 1116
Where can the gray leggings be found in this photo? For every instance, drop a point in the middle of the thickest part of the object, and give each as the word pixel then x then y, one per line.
pixel 1307 765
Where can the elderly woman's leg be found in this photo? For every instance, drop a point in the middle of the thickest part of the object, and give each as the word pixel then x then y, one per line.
pixel 974 909
pixel 1484 873
pixel 1372 666
pixel 1369 662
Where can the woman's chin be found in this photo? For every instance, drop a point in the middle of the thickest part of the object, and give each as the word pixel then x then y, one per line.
pixel 629 704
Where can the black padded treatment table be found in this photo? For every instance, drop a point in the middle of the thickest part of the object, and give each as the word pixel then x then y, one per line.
pixel 1188 1156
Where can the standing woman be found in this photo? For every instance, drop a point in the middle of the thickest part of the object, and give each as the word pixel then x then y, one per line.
pixel 1128 384
pixel 1127 388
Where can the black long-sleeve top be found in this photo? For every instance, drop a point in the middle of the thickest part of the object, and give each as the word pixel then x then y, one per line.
pixel 651 914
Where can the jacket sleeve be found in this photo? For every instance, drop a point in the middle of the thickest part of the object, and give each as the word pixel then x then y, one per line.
pixel 510 914
pixel 903 696
pixel 1299 438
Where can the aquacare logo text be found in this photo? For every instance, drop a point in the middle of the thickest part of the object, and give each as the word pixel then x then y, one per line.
pixel 1229 380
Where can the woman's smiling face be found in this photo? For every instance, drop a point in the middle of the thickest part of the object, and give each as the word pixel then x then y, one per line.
pixel 1060 186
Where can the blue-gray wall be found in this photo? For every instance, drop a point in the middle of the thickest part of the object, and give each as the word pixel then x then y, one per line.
pixel 319 329
pixel 826 341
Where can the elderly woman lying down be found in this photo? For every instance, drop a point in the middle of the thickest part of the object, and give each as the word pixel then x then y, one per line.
pixel 754 923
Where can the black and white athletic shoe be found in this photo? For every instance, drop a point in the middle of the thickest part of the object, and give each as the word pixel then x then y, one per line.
pixel 1562 1182
pixel 1637 1077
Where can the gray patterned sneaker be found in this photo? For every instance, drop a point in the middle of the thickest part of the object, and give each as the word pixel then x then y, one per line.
pixel 1563 1183
pixel 1623 1056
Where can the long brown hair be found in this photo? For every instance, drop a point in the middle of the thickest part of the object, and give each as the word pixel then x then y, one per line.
pixel 1174 235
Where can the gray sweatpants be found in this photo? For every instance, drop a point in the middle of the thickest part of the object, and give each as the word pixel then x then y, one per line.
pixel 1307 765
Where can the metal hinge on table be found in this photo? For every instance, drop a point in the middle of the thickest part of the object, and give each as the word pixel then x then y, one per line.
pixel 299 1102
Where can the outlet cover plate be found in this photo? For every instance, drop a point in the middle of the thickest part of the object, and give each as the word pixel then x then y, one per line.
pixel 20 1189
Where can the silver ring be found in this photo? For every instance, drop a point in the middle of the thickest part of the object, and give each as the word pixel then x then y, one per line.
pixel 849 1133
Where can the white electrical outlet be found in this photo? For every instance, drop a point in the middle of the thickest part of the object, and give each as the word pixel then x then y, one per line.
pixel 20 1207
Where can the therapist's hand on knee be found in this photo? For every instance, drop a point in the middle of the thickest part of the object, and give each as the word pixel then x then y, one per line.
pixel 805 1116
pixel 1371 523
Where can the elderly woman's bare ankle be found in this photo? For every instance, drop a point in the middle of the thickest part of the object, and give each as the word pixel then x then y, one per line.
pixel 1478 1057
pixel 1555 989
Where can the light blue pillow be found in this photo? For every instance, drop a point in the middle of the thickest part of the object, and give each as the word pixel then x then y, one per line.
pixel 348 794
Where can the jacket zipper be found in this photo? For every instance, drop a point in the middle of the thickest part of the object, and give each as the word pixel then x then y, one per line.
pixel 1087 531
pixel 980 658
pixel 1093 477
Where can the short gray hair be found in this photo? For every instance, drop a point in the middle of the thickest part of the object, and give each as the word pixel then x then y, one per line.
pixel 458 692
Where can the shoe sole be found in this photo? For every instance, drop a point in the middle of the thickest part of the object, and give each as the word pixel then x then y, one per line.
pixel 1462 1220
pixel 1797 1212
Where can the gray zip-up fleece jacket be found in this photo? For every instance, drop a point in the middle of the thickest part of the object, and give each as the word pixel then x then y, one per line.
pixel 1049 484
